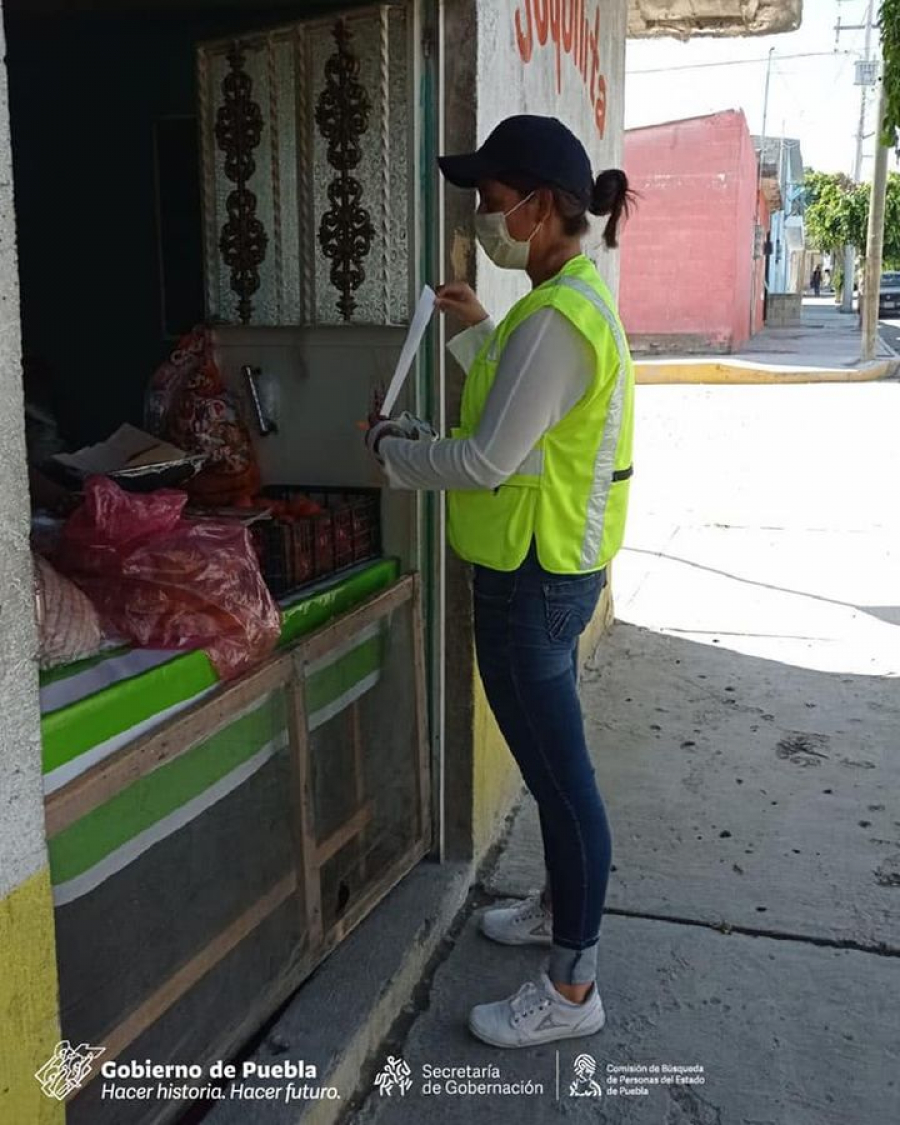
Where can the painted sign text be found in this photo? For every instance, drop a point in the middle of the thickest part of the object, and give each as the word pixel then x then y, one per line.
pixel 566 24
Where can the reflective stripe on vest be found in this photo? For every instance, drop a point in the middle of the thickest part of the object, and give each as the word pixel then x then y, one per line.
pixel 606 454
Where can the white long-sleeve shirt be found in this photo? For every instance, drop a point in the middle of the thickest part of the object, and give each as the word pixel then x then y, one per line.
pixel 544 369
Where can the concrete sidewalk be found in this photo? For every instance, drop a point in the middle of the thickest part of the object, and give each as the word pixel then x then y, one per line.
pixel 743 721
pixel 825 348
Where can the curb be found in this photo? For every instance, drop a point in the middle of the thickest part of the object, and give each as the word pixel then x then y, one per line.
pixel 657 372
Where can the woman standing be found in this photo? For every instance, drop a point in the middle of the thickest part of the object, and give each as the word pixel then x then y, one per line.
pixel 537 476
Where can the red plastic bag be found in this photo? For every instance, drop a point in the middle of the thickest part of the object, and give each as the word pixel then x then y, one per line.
pixel 164 582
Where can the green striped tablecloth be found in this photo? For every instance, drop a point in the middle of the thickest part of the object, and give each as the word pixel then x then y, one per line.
pixel 93 726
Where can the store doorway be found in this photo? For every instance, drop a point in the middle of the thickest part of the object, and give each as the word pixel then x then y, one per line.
pixel 124 189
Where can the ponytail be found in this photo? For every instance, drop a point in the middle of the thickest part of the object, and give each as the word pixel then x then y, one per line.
pixel 611 196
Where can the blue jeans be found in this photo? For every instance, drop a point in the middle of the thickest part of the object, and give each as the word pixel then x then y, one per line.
pixel 527 625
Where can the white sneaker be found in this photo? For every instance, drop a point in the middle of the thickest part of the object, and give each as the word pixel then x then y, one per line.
pixel 537 1013
pixel 526 923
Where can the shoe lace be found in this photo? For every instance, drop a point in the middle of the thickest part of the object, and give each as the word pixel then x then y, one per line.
pixel 533 907
pixel 528 999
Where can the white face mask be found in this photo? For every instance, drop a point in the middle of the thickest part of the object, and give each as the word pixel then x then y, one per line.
pixel 492 232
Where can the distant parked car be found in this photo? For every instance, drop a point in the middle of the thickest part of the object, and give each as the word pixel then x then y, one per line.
pixel 889 295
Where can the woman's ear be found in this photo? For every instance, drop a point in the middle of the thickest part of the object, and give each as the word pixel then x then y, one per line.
pixel 544 199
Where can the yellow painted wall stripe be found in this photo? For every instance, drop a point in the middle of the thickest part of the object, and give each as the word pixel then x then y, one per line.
pixel 29 1003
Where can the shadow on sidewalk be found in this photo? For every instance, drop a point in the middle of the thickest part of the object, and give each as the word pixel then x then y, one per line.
pixel 741 791
pixel 757 874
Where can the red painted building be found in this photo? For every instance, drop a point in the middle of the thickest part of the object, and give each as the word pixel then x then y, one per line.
pixel 688 275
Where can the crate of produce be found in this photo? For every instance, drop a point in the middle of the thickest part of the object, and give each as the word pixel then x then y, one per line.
pixel 319 531
pixel 272 541
pixel 357 521
pixel 303 557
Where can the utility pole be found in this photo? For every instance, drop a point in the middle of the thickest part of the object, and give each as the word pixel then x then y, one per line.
pixel 875 236
pixel 759 172
pixel 762 139
pixel 850 251
pixel 786 210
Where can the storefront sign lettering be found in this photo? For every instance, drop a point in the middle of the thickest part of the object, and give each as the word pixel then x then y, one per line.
pixel 566 24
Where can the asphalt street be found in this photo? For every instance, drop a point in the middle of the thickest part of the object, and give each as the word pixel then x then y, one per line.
pixel 890 333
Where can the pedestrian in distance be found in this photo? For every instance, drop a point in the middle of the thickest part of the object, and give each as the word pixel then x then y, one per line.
pixel 537 476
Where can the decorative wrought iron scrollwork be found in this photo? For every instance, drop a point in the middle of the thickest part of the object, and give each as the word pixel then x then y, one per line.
pixel 346 231
pixel 239 126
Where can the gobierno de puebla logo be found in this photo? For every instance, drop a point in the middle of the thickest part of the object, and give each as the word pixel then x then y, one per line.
pixel 70 1068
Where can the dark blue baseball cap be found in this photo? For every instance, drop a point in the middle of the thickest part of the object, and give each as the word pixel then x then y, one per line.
pixel 539 148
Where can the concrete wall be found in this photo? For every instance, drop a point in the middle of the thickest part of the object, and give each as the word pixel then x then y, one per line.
pixel 687 253
pixel 524 62
pixel 524 67
pixel 785 310
pixel 749 271
pixel 29 1026
pixel 690 18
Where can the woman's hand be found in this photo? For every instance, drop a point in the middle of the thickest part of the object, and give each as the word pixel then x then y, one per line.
pixel 380 428
pixel 458 298
pixel 378 425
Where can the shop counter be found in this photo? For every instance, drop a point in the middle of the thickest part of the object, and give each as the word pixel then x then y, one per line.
pixel 211 842
pixel 93 708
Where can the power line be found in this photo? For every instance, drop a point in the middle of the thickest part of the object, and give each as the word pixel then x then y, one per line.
pixel 740 62
pixel 788 77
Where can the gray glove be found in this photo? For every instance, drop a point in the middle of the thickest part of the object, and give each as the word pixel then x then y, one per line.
pixel 405 425
pixel 416 429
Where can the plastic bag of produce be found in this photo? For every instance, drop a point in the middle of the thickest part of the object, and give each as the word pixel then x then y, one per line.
pixel 187 403
pixel 164 582
pixel 68 625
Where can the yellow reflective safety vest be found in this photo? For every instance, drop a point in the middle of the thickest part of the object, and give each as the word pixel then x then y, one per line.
pixel 571 492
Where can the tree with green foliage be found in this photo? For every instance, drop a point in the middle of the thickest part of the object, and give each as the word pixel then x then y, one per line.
pixel 837 213
pixel 828 213
pixel 889 18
